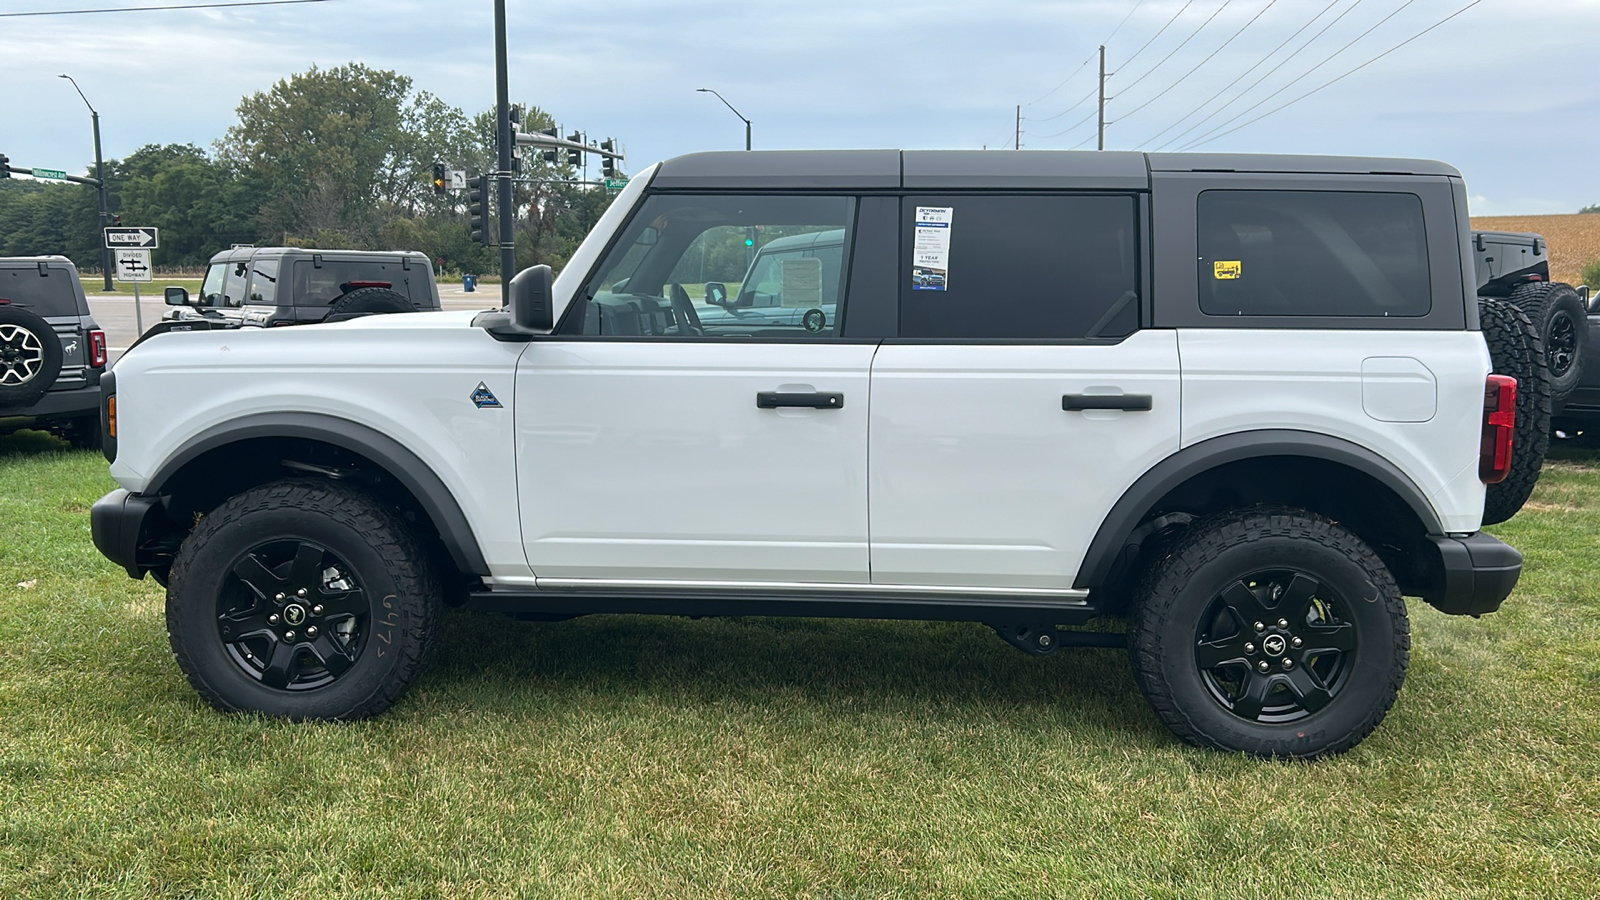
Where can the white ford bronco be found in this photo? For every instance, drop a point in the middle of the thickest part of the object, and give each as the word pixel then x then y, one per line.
pixel 1240 403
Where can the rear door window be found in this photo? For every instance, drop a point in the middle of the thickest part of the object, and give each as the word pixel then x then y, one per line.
pixel 1042 267
pixel 264 282
pixel 1312 253
pixel 320 285
pixel 50 294
pixel 236 276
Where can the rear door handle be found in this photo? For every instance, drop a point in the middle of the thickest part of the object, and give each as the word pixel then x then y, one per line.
pixel 818 400
pixel 1127 402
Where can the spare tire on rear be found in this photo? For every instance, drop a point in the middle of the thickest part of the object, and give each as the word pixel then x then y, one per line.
pixel 30 357
pixel 1563 325
pixel 367 301
pixel 1515 350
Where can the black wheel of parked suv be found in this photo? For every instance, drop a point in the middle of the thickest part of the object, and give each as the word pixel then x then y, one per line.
pixel 30 356
pixel 1515 350
pixel 302 598
pixel 1270 631
pixel 367 301
pixel 1563 326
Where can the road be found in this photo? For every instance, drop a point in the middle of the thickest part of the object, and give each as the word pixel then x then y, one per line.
pixel 114 312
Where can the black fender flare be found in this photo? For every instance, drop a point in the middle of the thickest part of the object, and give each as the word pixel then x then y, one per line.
pixel 395 458
pixel 1196 459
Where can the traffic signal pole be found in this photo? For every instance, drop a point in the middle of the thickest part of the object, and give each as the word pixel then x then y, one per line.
pixel 505 139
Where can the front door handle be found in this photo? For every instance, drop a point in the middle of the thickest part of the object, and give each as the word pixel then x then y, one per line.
pixel 1127 402
pixel 817 400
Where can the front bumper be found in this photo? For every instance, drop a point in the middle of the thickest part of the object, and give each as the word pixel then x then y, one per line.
pixel 120 522
pixel 1474 574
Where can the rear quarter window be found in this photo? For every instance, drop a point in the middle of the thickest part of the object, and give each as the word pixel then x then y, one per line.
pixel 1312 253
pixel 52 294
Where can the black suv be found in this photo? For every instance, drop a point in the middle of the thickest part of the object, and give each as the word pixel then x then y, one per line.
pixel 52 353
pixel 270 286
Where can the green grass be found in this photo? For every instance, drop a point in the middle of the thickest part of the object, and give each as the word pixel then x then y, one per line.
pixel 641 757
pixel 153 289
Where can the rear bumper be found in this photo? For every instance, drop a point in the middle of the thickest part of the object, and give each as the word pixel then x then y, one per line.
pixel 1476 574
pixel 76 402
pixel 119 522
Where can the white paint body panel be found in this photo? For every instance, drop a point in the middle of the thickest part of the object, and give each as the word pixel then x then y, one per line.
pixel 650 459
pixel 980 478
pixel 408 375
pixel 1238 379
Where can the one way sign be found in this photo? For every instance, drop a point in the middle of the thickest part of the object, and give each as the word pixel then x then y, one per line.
pixel 131 237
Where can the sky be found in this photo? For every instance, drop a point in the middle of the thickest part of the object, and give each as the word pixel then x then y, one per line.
pixel 1508 91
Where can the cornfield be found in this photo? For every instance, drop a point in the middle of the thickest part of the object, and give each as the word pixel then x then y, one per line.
pixel 1574 239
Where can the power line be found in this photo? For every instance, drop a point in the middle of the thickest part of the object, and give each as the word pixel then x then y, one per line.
pixel 1072 126
pixel 1086 61
pixel 1192 35
pixel 1268 74
pixel 1063 83
pixel 117 9
pixel 1074 106
pixel 1297 78
pixel 1181 78
pixel 1351 72
pixel 1241 77
pixel 1159 33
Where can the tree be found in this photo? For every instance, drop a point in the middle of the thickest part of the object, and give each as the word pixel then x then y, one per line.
pixel 1590 209
pixel 200 204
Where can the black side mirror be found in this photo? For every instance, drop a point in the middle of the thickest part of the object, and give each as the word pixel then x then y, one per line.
pixel 177 296
pixel 716 293
pixel 529 299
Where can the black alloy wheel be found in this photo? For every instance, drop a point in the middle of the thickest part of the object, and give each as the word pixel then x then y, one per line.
pixel 1561 348
pixel 292 615
pixel 1273 648
pixel 302 598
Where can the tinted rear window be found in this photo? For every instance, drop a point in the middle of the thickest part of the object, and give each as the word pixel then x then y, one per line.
pixel 319 287
pixel 1312 253
pixel 1023 267
pixel 47 296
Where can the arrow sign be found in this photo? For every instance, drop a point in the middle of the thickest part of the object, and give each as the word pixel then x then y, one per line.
pixel 131 237
pixel 134 265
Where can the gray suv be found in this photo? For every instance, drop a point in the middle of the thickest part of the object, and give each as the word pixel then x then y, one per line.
pixel 52 353
pixel 271 286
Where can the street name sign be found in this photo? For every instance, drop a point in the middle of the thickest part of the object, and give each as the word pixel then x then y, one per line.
pixel 49 173
pixel 133 265
pixel 616 184
pixel 117 238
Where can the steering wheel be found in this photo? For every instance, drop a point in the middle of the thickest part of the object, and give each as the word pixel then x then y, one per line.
pixel 683 311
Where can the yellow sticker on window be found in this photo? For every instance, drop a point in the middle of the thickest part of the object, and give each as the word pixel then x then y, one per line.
pixel 1227 268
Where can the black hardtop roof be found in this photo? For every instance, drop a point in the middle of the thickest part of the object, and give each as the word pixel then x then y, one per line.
pixel 238 253
pixel 1001 169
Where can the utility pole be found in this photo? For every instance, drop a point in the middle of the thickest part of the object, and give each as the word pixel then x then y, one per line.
pixel 1102 143
pixel 505 139
pixel 1016 143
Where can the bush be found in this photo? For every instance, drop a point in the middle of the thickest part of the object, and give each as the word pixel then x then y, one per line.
pixel 1590 274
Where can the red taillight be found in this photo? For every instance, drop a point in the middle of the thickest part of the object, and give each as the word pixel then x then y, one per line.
pixel 1499 421
pixel 279 322
pixel 97 349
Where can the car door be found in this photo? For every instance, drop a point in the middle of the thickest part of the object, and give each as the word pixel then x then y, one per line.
pixel 1022 397
pixel 656 446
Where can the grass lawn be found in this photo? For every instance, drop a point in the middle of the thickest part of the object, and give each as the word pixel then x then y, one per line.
pixel 637 757
pixel 153 289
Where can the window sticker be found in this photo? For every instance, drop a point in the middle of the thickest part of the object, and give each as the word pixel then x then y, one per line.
pixel 802 282
pixel 1227 269
pixel 930 250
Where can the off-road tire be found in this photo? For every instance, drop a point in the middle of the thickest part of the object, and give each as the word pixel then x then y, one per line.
pixel 374 545
pixel 367 301
pixel 30 357
pixel 1515 350
pixel 1563 326
pixel 1179 604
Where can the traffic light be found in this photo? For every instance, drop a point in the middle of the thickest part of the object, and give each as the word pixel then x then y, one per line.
pixel 116 220
pixel 550 156
pixel 574 155
pixel 5 166
pixel 438 179
pixel 608 165
pixel 477 208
